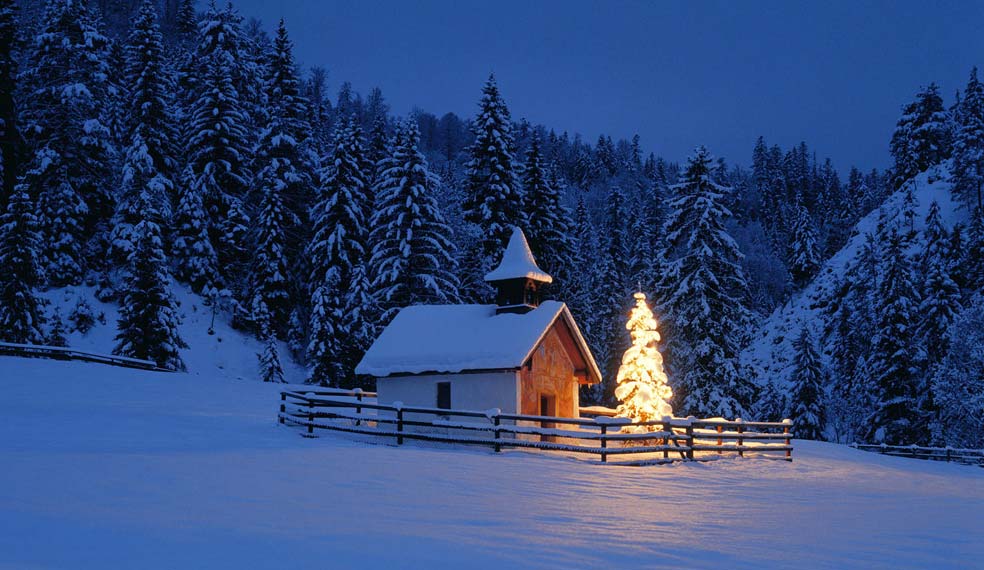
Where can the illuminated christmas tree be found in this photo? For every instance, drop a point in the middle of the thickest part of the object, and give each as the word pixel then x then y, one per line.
pixel 642 387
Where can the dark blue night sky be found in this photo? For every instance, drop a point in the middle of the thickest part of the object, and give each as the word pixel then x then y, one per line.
pixel 679 74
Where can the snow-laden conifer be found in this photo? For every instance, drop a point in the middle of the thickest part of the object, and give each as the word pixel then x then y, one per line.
pixel 148 322
pixel 413 256
pixel 21 309
pixel 65 86
pixel 494 201
pixel 150 132
pixel 896 417
pixel 704 295
pixel 807 402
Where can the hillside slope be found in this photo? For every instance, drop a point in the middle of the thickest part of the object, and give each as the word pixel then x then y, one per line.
pixel 770 353
pixel 227 353
pixel 118 468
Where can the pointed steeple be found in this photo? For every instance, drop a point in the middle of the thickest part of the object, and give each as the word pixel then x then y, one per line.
pixel 517 279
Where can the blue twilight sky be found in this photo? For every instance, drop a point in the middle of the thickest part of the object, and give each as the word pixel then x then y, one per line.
pixel 833 73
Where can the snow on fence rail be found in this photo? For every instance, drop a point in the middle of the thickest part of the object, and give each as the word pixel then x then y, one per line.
pixel 63 353
pixel 672 439
pixel 948 454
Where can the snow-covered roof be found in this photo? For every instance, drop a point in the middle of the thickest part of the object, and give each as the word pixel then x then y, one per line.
pixel 455 338
pixel 517 262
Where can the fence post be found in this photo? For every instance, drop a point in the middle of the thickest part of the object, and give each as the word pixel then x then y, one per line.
pixel 358 407
pixel 720 429
pixel 310 426
pixel 667 428
pixel 495 431
pixel 789 442
pixel 948 448
pixel 690 436
pixel 604 443
pixel 283 407
pixel 399 425
pixel 741 440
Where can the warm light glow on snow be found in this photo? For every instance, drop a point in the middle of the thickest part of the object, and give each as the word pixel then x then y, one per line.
pixel 642 383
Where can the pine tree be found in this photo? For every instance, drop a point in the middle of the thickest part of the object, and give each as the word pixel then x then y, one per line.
pixel 218 154
pixel 613 288
pixel 642 384
pixel 11 143
pixel 957 386
pixel 150 158
pixel 148 323
pixel 65 83
pixel 704 297
pixel 921 137
pixel 896 418
pixel 270 273
pixel 972 262
pixel 771 405
pixel 547 223
pixel 968 146
pixel 412 253
pixel 804 258
pixel 940 294
pixel 56 335
pixel 285 184
pixel 21 310
pixel 337 255
pixel 196 261
pixel 808 410
pixel 270 368
pixel 494 201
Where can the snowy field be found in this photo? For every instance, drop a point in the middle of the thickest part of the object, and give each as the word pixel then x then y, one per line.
pixel 112 468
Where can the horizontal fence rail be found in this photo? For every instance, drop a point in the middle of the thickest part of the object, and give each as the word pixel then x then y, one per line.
pixel 948 454
pixel 641 443
pixel 63 353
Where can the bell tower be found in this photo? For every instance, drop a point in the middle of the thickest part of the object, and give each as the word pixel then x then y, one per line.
pixel 517 279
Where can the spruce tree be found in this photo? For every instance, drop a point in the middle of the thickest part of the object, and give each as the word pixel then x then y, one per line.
pixel 337 254
pixel 65 84
pixel 613 287
pixel 897 417
pixel 921 138
pixel 148 323
pixel 972 260
pixel 494 202
pixel 704 297
pixel 940 294
pixel 21 310
pixel 270 368
pixel 547 219
pixel 804 259
pixel 149 130
pixel 218 153
pixel 771 406
pixel 412 256
pixel 195 259
pixel 285 185
pixel 968 146
pixel 11 143
pixel 808 410
pixel 957 387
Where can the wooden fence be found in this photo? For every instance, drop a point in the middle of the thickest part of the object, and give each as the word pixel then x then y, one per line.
pixel 671 439
pixel 64 353
pixel 948 454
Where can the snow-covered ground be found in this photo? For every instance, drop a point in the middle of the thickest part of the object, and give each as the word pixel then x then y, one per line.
pixel 227 353
pixel 104 467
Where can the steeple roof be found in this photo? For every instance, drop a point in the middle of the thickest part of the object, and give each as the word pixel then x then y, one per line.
pixel 517 262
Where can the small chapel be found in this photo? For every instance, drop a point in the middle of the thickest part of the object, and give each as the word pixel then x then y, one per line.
pixel 520 355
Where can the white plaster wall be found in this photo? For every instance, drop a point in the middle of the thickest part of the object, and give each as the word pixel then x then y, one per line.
pixel 479 392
